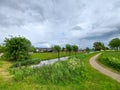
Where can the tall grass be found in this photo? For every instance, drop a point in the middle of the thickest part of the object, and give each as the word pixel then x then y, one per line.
pixel 61 72
pixel 25 63
pixel 38 57
pixel 111 59
pixel 74 74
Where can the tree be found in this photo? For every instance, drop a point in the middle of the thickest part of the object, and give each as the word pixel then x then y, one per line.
pixel 115 44
pixel 57 48
pixel 17 48
pixel 63 49
pixel 75 48
pixel 69 48
pixel 98 46
pixel 1 48
pixel 87 49
pixel 32 49
pixel 106 48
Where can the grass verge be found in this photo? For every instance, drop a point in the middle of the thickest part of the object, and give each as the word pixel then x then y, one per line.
pixel 91 79
pixel 110 60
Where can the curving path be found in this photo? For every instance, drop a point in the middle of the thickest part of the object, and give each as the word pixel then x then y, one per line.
pixel 103 70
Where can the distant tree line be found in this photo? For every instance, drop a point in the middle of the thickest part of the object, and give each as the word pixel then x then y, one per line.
pixel 68 48
pixel 18 48
pixel 98 46
pixel 114 44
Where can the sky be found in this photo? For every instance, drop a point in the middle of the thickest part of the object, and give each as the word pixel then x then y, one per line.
pixel 58 22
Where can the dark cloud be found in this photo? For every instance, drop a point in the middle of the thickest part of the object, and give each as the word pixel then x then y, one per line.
pixel 60 21
pixel 103 36
pixel 77 28
pixel 20 12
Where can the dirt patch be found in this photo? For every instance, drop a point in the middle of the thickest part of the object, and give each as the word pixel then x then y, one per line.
pixel 4 73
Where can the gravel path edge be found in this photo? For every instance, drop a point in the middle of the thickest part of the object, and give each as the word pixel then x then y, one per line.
pixel 103 70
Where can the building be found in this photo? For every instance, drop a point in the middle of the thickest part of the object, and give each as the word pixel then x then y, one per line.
pixel 44 50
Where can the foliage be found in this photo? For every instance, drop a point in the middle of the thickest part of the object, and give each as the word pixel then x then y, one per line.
pixel 58 49
pixel 115 44
pixel 17 48
pixel 94 80
pixel 75 48
pixel 111 59
pixel 25 63
pixel 61 72
pixel 87 49
pixel 63 49
pixel 69 48
pixel 98 46
pixel 2 48
pixel 32 49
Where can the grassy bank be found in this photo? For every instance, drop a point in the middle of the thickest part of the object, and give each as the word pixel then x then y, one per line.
pixel 38 57
pixel 97 80
pixel 110 59
pixel 60 73
pixel 73 74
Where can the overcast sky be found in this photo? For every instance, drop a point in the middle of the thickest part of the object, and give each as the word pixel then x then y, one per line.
pixel 49 22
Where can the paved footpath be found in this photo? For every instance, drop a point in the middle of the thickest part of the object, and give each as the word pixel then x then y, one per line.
pixel 103 70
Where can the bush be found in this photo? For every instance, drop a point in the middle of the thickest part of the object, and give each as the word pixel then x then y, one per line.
pixel 25 63
pixel 17 48
pixel 61 72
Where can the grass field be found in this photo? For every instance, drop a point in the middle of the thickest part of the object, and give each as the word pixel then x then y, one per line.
pixel 38 57
pixel 50 55
pixel 80 76
pixel 110 59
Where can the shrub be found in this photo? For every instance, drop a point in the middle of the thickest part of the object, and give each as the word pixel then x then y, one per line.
pixel 25 63
pixel 17 48
pixel 61 72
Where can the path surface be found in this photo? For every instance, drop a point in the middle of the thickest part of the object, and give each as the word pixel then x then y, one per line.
pixel 48 62
pixel 103 70
pixel 4 73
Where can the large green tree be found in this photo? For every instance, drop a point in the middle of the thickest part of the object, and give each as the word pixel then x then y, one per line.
pixel 17 48
pixel 98 46
pixel 115 44
pixel 69 48
pixel 75 48
pixel 57 48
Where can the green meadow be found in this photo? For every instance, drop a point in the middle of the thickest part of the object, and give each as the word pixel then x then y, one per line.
pixel 72 74
pixel 51 55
